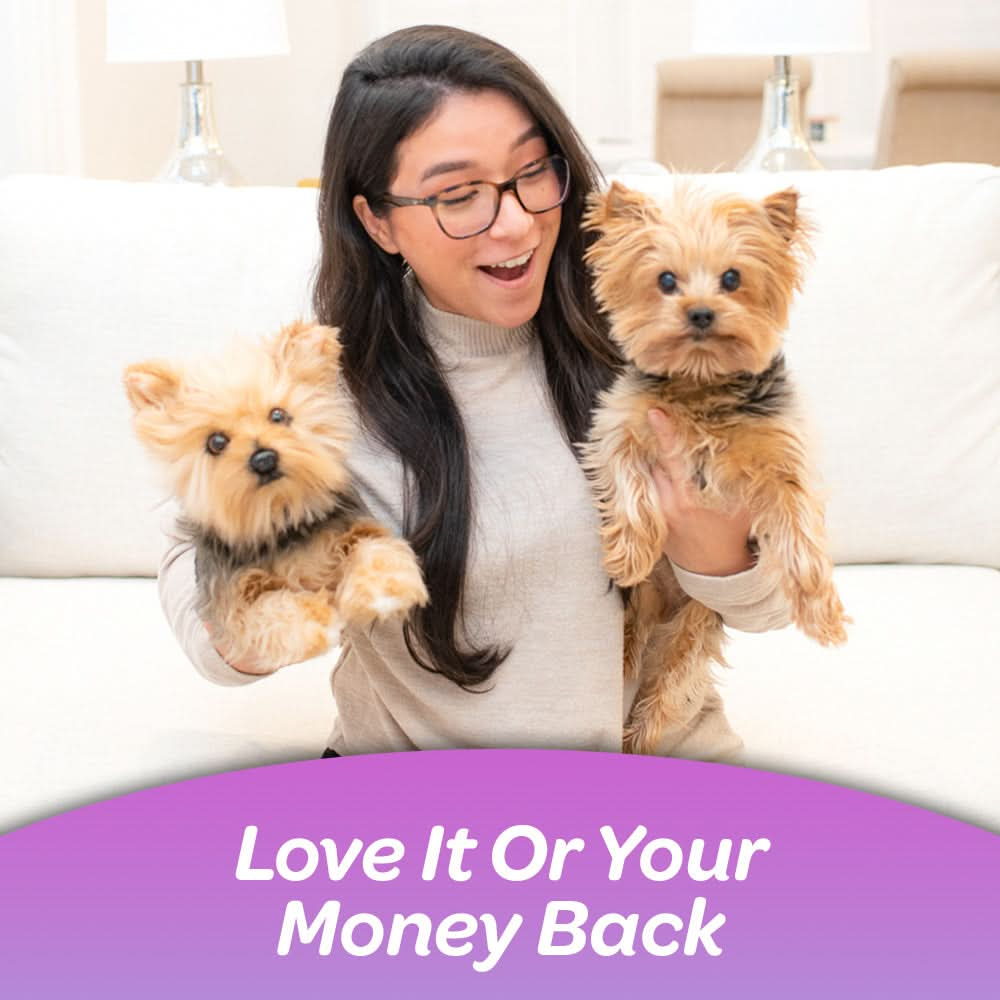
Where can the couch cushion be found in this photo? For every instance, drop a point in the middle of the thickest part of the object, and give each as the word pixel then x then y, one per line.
pixel 106 703
pixel 906 709
pixel 95 275
pixel 99 700
pixel 895 344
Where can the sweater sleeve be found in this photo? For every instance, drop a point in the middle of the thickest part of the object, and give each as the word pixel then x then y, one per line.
pixel 178 597
pixel 750 601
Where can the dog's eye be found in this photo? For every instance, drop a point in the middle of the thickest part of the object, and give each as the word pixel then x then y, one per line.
pixel 668 282
pixel 279 416
pixel 731 280
pixel 216 443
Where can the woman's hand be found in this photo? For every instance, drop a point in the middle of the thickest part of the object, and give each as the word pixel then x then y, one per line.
pixel 699 540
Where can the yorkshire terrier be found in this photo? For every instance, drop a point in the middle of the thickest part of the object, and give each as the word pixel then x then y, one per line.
pixel 254 444
pixel 698 293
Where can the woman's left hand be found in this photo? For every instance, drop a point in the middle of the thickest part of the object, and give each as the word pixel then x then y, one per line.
pixel 699 540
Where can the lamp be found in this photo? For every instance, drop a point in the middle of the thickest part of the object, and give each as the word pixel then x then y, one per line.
pixel 789 27
pixel 190 31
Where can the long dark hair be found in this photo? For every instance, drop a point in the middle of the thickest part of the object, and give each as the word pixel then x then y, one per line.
pixel 387 92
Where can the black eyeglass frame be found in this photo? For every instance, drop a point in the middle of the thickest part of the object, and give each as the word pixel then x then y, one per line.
pixel 399 201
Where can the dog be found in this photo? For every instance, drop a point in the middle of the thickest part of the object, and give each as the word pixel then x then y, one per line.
pixel 698 293
pixel 255 443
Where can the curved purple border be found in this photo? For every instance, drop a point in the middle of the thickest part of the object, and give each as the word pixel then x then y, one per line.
pixel 137 896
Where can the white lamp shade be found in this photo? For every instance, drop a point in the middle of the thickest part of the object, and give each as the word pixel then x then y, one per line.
pixel 188 30
pixel 780 27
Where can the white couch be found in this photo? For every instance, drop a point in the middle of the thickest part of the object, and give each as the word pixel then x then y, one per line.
pixel 895 343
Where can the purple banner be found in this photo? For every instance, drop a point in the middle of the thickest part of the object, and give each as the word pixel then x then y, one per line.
pixel 475 873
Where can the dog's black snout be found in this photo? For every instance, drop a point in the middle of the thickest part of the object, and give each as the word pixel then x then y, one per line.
pixel 264 461
pixel 701 318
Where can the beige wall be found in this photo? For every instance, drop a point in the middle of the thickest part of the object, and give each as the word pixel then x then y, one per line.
pixel 271 113
pixel 598 55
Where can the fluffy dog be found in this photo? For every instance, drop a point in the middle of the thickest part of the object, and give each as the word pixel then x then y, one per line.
pixel 698 295
pixel 254 444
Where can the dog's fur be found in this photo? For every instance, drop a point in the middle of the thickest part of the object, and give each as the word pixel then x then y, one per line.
pixel 725 388
pixel 285 557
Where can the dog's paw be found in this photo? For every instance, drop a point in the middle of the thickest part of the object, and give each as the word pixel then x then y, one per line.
pixel 821 617
pixel 384 581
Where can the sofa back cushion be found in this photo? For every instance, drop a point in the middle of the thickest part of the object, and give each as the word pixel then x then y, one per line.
pixel 894 343
pixel 96 275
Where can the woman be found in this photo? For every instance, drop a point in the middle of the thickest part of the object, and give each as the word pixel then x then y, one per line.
pixel 452 191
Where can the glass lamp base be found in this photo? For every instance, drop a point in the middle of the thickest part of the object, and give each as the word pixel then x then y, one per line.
pixel 198 157
pixel 206 166
pixel 777 156
pixel 781 142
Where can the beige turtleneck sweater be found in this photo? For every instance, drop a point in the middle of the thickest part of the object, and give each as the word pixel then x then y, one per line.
pixel 534 582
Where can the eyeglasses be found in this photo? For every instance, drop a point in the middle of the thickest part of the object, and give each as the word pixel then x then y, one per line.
pixel 469 209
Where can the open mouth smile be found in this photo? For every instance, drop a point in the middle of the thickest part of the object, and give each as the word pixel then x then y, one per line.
pixel 511 270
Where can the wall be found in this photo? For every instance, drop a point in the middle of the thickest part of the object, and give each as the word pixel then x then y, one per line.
pixel 599 56
pixel 271 112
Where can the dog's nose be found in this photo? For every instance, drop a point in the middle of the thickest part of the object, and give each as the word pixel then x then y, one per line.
pixel 264 461
pixel 701 318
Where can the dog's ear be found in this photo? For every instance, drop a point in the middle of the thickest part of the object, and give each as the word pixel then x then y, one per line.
pixel 618 205
pixel 151 384
pixel 782 211
pixel 310 349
